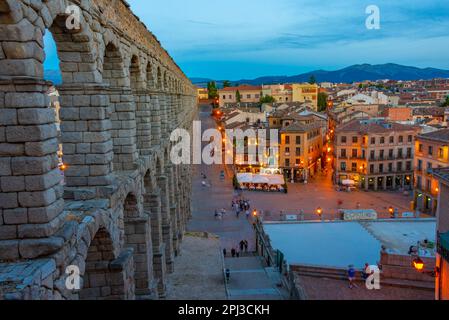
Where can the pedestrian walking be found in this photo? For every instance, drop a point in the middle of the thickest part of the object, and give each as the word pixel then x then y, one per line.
pixel 233 252
pixel 246 245
pixel 225 252
pixel 247 214
pixel 351 277
pixel 228 275
pixel 237 253
pixel 242 245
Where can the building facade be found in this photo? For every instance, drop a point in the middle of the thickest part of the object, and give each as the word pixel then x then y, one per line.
pixel 375 154
pixel 305 92
pixel 442 259
pixel 431 152
pixel 248 94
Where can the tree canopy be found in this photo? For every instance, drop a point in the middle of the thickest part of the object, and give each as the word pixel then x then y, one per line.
pixel 212 89
pixel 312 79
pixel 322 101
pixel 267 99
pixel 226 84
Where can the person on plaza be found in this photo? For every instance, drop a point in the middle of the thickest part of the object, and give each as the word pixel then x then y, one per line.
pixel 216 214
pixel 301 215
pixel 247 214
pixel 237 254
pixel 228 275
pixel 233 252
pixel 246 245
pixel 223 212
pixel 225 252
pixel 351 277
pixel 242 245
pixel 365 273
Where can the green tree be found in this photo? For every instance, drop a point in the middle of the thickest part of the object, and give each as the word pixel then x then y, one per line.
pixel 238 96
pixel 212 90
pixel 267 99
pixel 322 101
pixel 446 102
pixel 226 84
pixel 312 79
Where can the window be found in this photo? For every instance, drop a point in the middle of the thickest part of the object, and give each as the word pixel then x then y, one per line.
pixel 364 140
pixel 401 139
pixel 287 162
pixel 410 138
pixel 371 168
pixel 343 166
pixel 354 153
pixel 298 152
pixel 419 182
pixel 420 147
pixel 248 96
pixel 343 139
pixel 429 166
pixel 287 139
pixel 230 97
pixel 354 167
pixel 419 165
pixel 430 151
pixel 390 167
pixel 373 140
pixel 298 162
pixel 298 139
pixel 355 139
pixel 428 184
pixel 224 97
pixel 381 168
pixel 409 153
pixel 408 166
pixel 372 155
pixel 399 167
pixel 382 140
pixel 343 153
pixel 440 153
pixel 257 96
pixel 391 139
pixel 399 153
pixel 382 154
pixel 363 154
pixel 287 150
pixel 391 153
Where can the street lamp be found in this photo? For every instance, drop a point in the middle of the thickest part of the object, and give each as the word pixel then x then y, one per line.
pixel 319 212
pixel 391 211
pixel 418 264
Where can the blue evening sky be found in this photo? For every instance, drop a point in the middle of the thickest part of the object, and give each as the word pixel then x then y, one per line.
pixel 237 39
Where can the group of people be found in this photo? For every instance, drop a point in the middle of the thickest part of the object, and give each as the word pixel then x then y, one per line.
pixel 366 273
pixel 220 214
pixel 238 250
pixel 241 205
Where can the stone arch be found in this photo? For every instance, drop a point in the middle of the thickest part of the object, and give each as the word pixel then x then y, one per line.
pixel 150 75
pixel 113 66
pixel 135 80
pixel 159 78
pixel 131 206
pixel 106 276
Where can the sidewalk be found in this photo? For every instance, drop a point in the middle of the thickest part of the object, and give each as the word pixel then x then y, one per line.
pixel 250 280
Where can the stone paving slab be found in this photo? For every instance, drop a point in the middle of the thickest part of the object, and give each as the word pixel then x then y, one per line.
pixel 198 271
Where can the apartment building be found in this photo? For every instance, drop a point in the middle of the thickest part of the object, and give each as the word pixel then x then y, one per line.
pixel 280 92
pixel 244 94
pixel 432 152
pixel 442 257
pixel 375 154
pixel 305 92
pixel 301 147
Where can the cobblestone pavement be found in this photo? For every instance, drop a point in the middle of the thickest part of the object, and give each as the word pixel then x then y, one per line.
pixel 217 195
pixel 199 271
pixel 331 289
pixel 320 192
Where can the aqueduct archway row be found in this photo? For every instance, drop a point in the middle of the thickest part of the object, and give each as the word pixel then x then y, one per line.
pixel 121 213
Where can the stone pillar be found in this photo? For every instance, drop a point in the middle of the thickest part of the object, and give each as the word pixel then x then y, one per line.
pixel 167 234
pixel 153 205
pixel 86 137
pixel 138 237
pixel 143 114
pixel 163 114
pixel 31 192
pixel 384 183
pixel 156 125
pixel 376 183
pixel 173 190
pixel 394 182
pixel 124 129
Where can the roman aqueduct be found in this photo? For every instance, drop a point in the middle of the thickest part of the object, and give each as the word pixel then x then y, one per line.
pixel 120 214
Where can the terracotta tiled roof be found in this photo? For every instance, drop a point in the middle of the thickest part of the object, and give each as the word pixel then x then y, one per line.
pixel 242 88
pixel 439 135
pixel 369 126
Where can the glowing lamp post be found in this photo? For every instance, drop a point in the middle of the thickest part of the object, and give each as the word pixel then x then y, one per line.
pixel 319 212
pixel 418 264
pixel 391 211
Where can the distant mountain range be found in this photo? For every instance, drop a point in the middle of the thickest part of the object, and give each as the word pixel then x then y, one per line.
pixel 355 73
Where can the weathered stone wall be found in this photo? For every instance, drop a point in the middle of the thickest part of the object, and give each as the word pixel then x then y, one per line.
pixel 122 211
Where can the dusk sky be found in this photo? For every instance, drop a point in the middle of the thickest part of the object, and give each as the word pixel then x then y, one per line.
pixel 239 39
